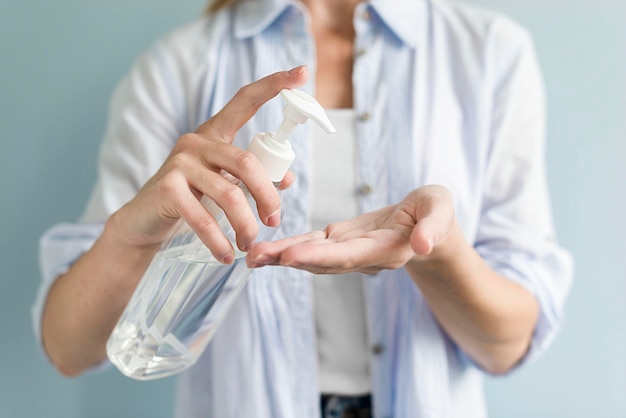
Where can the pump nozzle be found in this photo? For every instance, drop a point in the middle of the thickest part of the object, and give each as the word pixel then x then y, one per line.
pixel 273 150
pixel 300 107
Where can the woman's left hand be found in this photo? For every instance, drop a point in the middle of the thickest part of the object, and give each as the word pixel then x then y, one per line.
pixel 490 317
pixel 414 229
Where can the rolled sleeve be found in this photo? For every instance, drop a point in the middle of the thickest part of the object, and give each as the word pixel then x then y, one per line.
pixel 546 273
pixel 59 248
pixel 516 235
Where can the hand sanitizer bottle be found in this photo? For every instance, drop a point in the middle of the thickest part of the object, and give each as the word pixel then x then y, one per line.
pixel 185 292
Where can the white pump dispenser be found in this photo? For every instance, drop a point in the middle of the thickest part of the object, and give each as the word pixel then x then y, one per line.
pixel 273 149
pixel 185 293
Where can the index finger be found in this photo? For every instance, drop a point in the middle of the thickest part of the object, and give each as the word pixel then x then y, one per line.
pixel 249 100
pixel 264 253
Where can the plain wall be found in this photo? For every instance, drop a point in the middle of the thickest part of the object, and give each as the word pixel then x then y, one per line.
pixel 59 62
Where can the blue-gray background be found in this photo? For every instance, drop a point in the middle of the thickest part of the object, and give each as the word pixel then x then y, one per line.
pixel 59 61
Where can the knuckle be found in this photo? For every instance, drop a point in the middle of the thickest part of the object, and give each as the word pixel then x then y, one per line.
pixel 247 94
pixel 170 185
pixel 231 194
pixel 178 161
pixel 246 160
pixel 188 139
pixel 206 224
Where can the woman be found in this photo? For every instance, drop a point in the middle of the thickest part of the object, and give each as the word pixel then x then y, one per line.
pixel 463 278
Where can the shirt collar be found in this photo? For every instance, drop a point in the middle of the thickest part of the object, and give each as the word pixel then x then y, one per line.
pixel 404 18
pixel 254 16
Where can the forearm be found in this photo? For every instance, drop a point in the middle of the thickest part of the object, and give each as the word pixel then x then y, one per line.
pixel 85 303
pixel 490 317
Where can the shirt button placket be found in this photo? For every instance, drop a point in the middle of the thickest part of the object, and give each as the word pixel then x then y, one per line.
pixel 363 102
pixel 365 189
pixel 360 51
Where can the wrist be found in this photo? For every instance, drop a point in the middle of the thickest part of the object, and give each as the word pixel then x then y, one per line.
pixel 128 258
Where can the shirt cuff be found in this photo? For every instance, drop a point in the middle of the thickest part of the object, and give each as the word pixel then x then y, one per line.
pixel 547 275
pixel 59 248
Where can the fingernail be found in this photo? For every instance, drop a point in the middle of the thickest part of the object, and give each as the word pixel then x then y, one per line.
pixel 274 218
pixel 297 70
pixel 228 259
pixel 431 244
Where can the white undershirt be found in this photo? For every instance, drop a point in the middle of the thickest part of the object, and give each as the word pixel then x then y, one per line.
pixel 340 316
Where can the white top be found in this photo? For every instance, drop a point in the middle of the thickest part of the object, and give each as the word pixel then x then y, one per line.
pixel 339 302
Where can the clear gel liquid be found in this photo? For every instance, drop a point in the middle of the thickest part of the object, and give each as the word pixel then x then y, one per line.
pixel 171 318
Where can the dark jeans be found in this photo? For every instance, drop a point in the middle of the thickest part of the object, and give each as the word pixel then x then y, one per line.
pixel 333 406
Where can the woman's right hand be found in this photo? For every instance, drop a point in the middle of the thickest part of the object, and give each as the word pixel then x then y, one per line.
pixel 84 303
pixel 194 168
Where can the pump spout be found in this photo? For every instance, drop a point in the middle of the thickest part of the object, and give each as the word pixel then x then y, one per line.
pixel 300 107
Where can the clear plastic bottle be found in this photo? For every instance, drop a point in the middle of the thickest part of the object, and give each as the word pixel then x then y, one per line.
pixel 185 293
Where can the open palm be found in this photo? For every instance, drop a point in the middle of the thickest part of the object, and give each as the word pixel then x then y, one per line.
pixel 384 239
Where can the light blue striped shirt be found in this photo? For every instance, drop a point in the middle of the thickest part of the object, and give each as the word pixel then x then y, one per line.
pixel 445 94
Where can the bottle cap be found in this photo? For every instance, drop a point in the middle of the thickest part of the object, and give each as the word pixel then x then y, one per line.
pixel 273 149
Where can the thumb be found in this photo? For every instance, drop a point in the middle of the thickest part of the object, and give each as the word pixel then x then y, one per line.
pixel 423 236
pixel 434 213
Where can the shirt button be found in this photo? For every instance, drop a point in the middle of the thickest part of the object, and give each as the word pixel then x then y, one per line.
pixel 360 52
pixel 378 349
pixel 365 189
pixel 363 117
pixel 366 15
